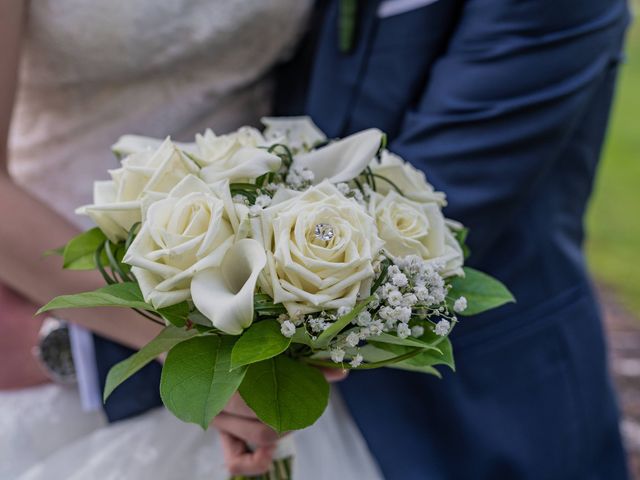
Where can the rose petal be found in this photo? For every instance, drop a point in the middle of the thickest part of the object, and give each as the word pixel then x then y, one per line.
pixel 248 163
pixel 114 219
pixel 159 299
pixel 128 144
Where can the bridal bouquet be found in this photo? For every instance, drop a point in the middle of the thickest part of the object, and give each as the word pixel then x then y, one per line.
pixel 266 254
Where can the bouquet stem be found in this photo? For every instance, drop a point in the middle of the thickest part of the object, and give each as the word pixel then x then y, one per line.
pixel 280 470
pixel 281 466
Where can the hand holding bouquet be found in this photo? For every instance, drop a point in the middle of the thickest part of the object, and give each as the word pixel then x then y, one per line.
pixel 265 255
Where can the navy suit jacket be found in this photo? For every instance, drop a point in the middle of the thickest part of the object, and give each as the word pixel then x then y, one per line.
pixel 504 105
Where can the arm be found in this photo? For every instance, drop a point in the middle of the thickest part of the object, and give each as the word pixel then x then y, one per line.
pixel 501 104
pixel 29 228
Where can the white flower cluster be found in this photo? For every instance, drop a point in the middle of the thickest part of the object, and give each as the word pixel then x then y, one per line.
pixel 355 193
pixel 299 178
pixel 290 215
pixel 411 298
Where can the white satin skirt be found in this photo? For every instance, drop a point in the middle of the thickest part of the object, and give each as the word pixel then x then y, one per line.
pixel 45 435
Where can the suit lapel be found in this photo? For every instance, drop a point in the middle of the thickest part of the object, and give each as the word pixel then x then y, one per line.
pixel 337 75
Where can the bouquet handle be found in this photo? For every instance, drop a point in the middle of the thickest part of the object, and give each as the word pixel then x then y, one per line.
pixel 281 467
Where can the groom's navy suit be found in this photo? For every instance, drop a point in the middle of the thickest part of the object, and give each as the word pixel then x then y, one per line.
pixel 504 104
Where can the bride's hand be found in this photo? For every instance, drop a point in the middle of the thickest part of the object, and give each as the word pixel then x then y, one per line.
pixel 239 427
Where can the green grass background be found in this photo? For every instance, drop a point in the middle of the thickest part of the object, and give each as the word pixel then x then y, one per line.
pixel 613 221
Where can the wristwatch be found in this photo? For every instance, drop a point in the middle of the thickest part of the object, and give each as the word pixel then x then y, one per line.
pixel 54 351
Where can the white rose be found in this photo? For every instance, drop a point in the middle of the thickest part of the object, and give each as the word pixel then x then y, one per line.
pixel 298 133
pixel 188 231
pixel 307 273
pixel 411 181
pixel 118 202
pixel 235 156
pixel 412 228
pixel 342 160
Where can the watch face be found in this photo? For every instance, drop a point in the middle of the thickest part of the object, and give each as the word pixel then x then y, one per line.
pixel 55 353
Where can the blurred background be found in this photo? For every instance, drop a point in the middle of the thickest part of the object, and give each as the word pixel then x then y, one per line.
pixel 613 245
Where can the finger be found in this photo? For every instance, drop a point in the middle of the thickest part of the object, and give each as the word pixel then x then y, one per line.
pixel 237 406
pixel 333 375
pixel 240 461
pixel 253 432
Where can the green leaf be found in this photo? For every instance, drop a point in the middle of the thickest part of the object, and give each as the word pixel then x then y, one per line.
pixel 384 268
pixel 443 355
pixel 325 337
pixel 407 342
pixel 301 336
pixel 263 305
pixel 260 341
pixel 177 314
pixel 199 319
pixel 482 292
pixel 166 339
pixel 196 381
pixel 285 394
pixel 117 295
pixel 461 237
pixel 78 254
pixel 373 355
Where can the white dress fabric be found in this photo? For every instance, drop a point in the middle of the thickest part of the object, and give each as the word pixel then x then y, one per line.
pixel 91 72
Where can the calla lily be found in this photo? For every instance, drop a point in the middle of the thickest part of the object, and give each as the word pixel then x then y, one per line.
pixel 224 294
pixel 344 159
pixel 246 163
pixel 297 132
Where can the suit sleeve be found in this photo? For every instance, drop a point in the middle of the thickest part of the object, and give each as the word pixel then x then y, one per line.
pixel 502 103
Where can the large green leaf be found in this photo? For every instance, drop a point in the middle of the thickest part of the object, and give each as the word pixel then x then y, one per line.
pixel 166 339
pixel 482 292
pixel 117 295
pixel 260 341
pixel 126 294
pixel 196 380
pixel 79 253
pixel 285 394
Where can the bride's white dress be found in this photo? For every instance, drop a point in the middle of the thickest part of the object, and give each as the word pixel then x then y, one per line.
pixel 91 72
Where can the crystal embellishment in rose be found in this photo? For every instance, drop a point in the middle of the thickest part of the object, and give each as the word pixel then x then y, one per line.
pixel 324 231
